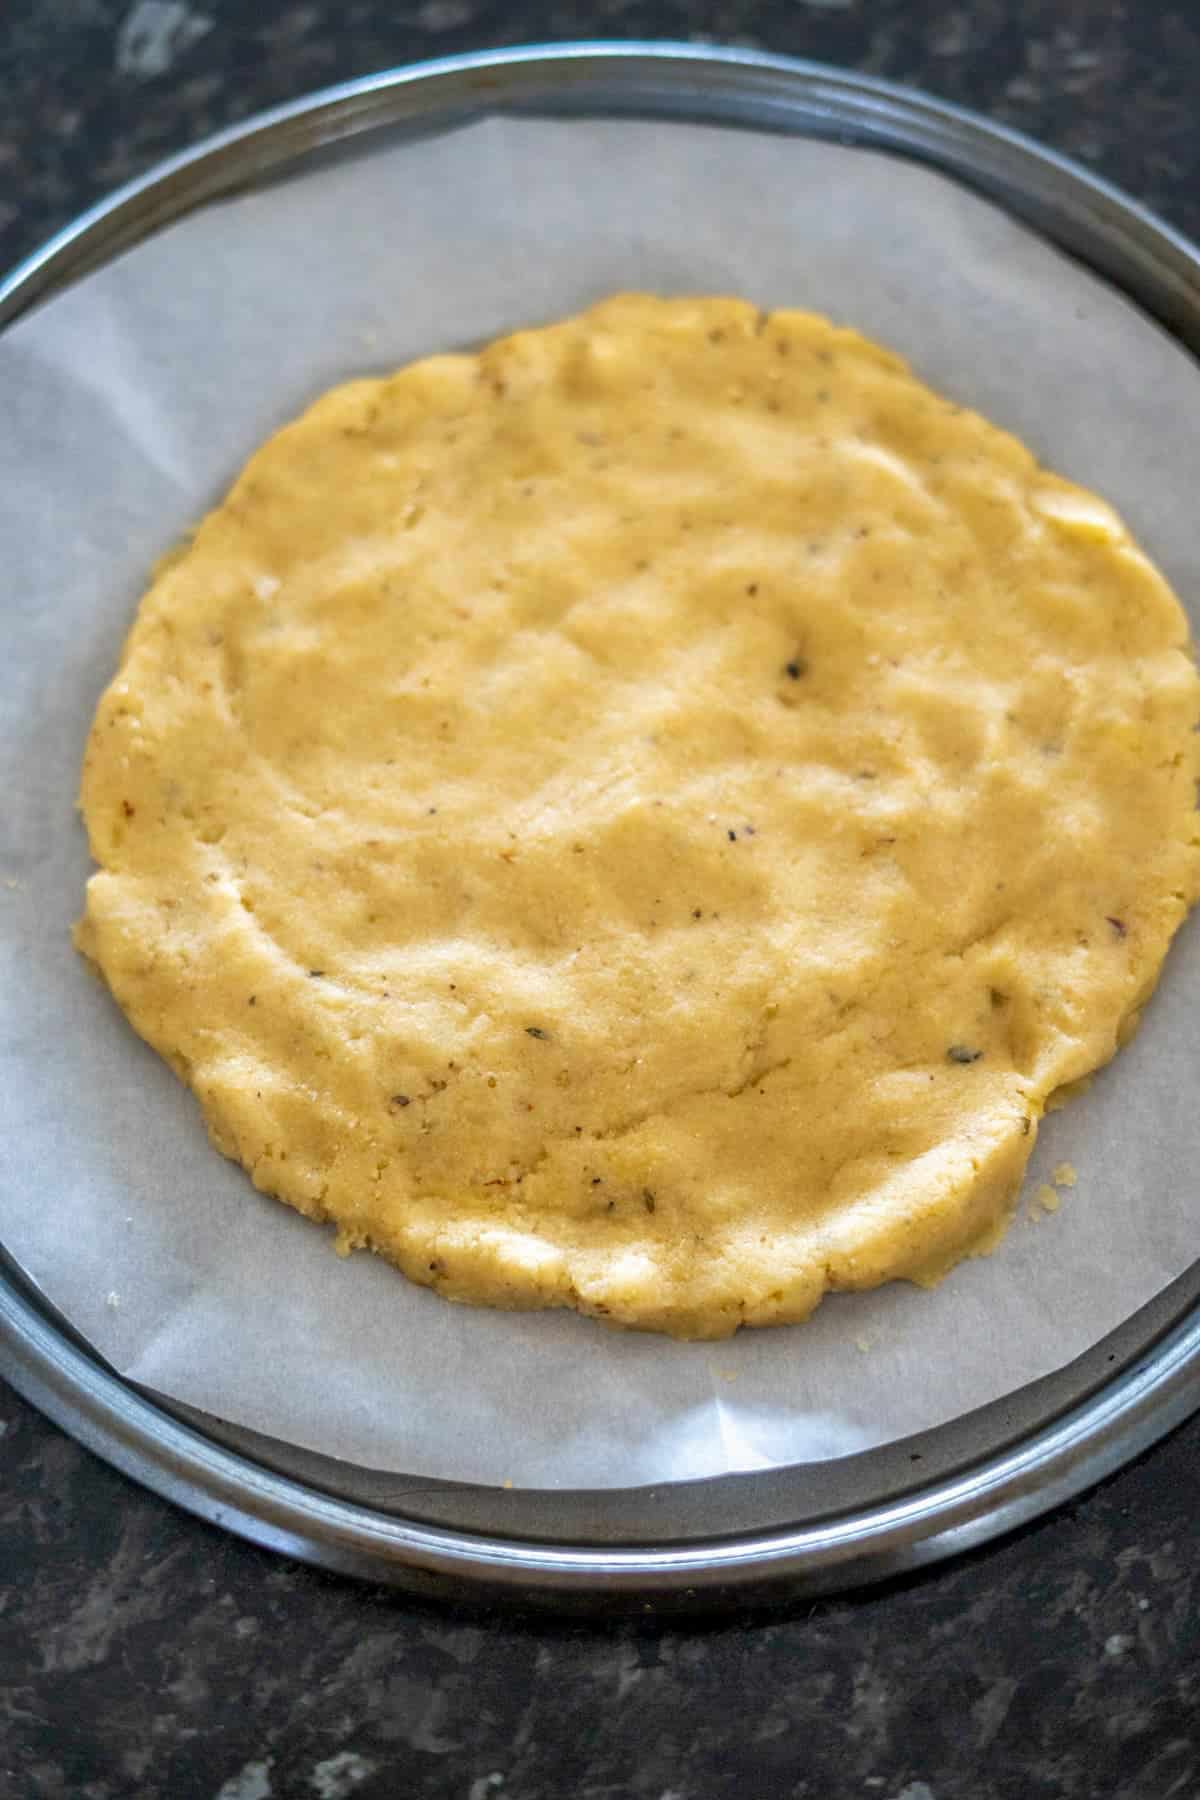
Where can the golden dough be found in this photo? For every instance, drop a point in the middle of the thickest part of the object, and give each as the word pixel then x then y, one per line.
pixel 645 817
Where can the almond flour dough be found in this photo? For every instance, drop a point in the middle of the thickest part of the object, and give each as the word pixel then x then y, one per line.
pixel 644 818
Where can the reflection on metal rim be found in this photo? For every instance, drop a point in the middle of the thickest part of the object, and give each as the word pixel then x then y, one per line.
pixel 739 1537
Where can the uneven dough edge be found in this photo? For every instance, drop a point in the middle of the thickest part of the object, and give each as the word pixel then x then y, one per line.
pixel 950 1222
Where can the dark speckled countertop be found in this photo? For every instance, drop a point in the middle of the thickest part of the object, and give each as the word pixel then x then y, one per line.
pixel 143 1653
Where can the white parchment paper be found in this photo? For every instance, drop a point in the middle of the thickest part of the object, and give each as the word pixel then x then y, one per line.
pixel 126 407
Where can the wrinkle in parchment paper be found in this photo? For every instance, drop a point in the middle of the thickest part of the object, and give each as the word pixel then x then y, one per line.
pixel 130 402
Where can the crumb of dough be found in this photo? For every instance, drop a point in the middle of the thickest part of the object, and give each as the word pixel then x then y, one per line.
pixel 1065 1175
pixel 1047 1198
pixel 646 817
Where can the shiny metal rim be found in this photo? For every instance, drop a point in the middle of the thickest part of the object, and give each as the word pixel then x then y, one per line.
pixel 1110 1418
pixel 925 1525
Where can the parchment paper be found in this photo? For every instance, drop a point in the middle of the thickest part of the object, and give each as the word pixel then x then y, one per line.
pixel 128 405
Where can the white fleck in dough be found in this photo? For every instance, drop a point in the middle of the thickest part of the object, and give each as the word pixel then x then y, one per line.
pixel 647 817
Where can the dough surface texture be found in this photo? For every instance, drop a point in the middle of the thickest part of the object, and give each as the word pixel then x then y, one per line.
pixel 645 817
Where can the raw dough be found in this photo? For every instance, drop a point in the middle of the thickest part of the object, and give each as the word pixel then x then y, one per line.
pixel 645 817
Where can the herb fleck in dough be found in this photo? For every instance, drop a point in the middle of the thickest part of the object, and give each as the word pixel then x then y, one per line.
pixel 644 818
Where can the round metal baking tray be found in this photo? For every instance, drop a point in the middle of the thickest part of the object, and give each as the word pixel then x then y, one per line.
pixel 772 1535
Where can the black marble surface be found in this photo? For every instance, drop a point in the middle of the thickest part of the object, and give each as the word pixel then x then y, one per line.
pixel 142 1653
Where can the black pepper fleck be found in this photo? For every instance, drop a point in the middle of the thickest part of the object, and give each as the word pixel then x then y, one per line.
pixel 315 974
pixel 1118 925
pixel 400 1100
pixel 535 1031
pixel 648 1200
pixel 959 1053
pixel 796 668
pixel 732 836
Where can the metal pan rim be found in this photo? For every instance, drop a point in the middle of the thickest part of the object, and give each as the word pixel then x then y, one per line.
pixel 1112 1418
